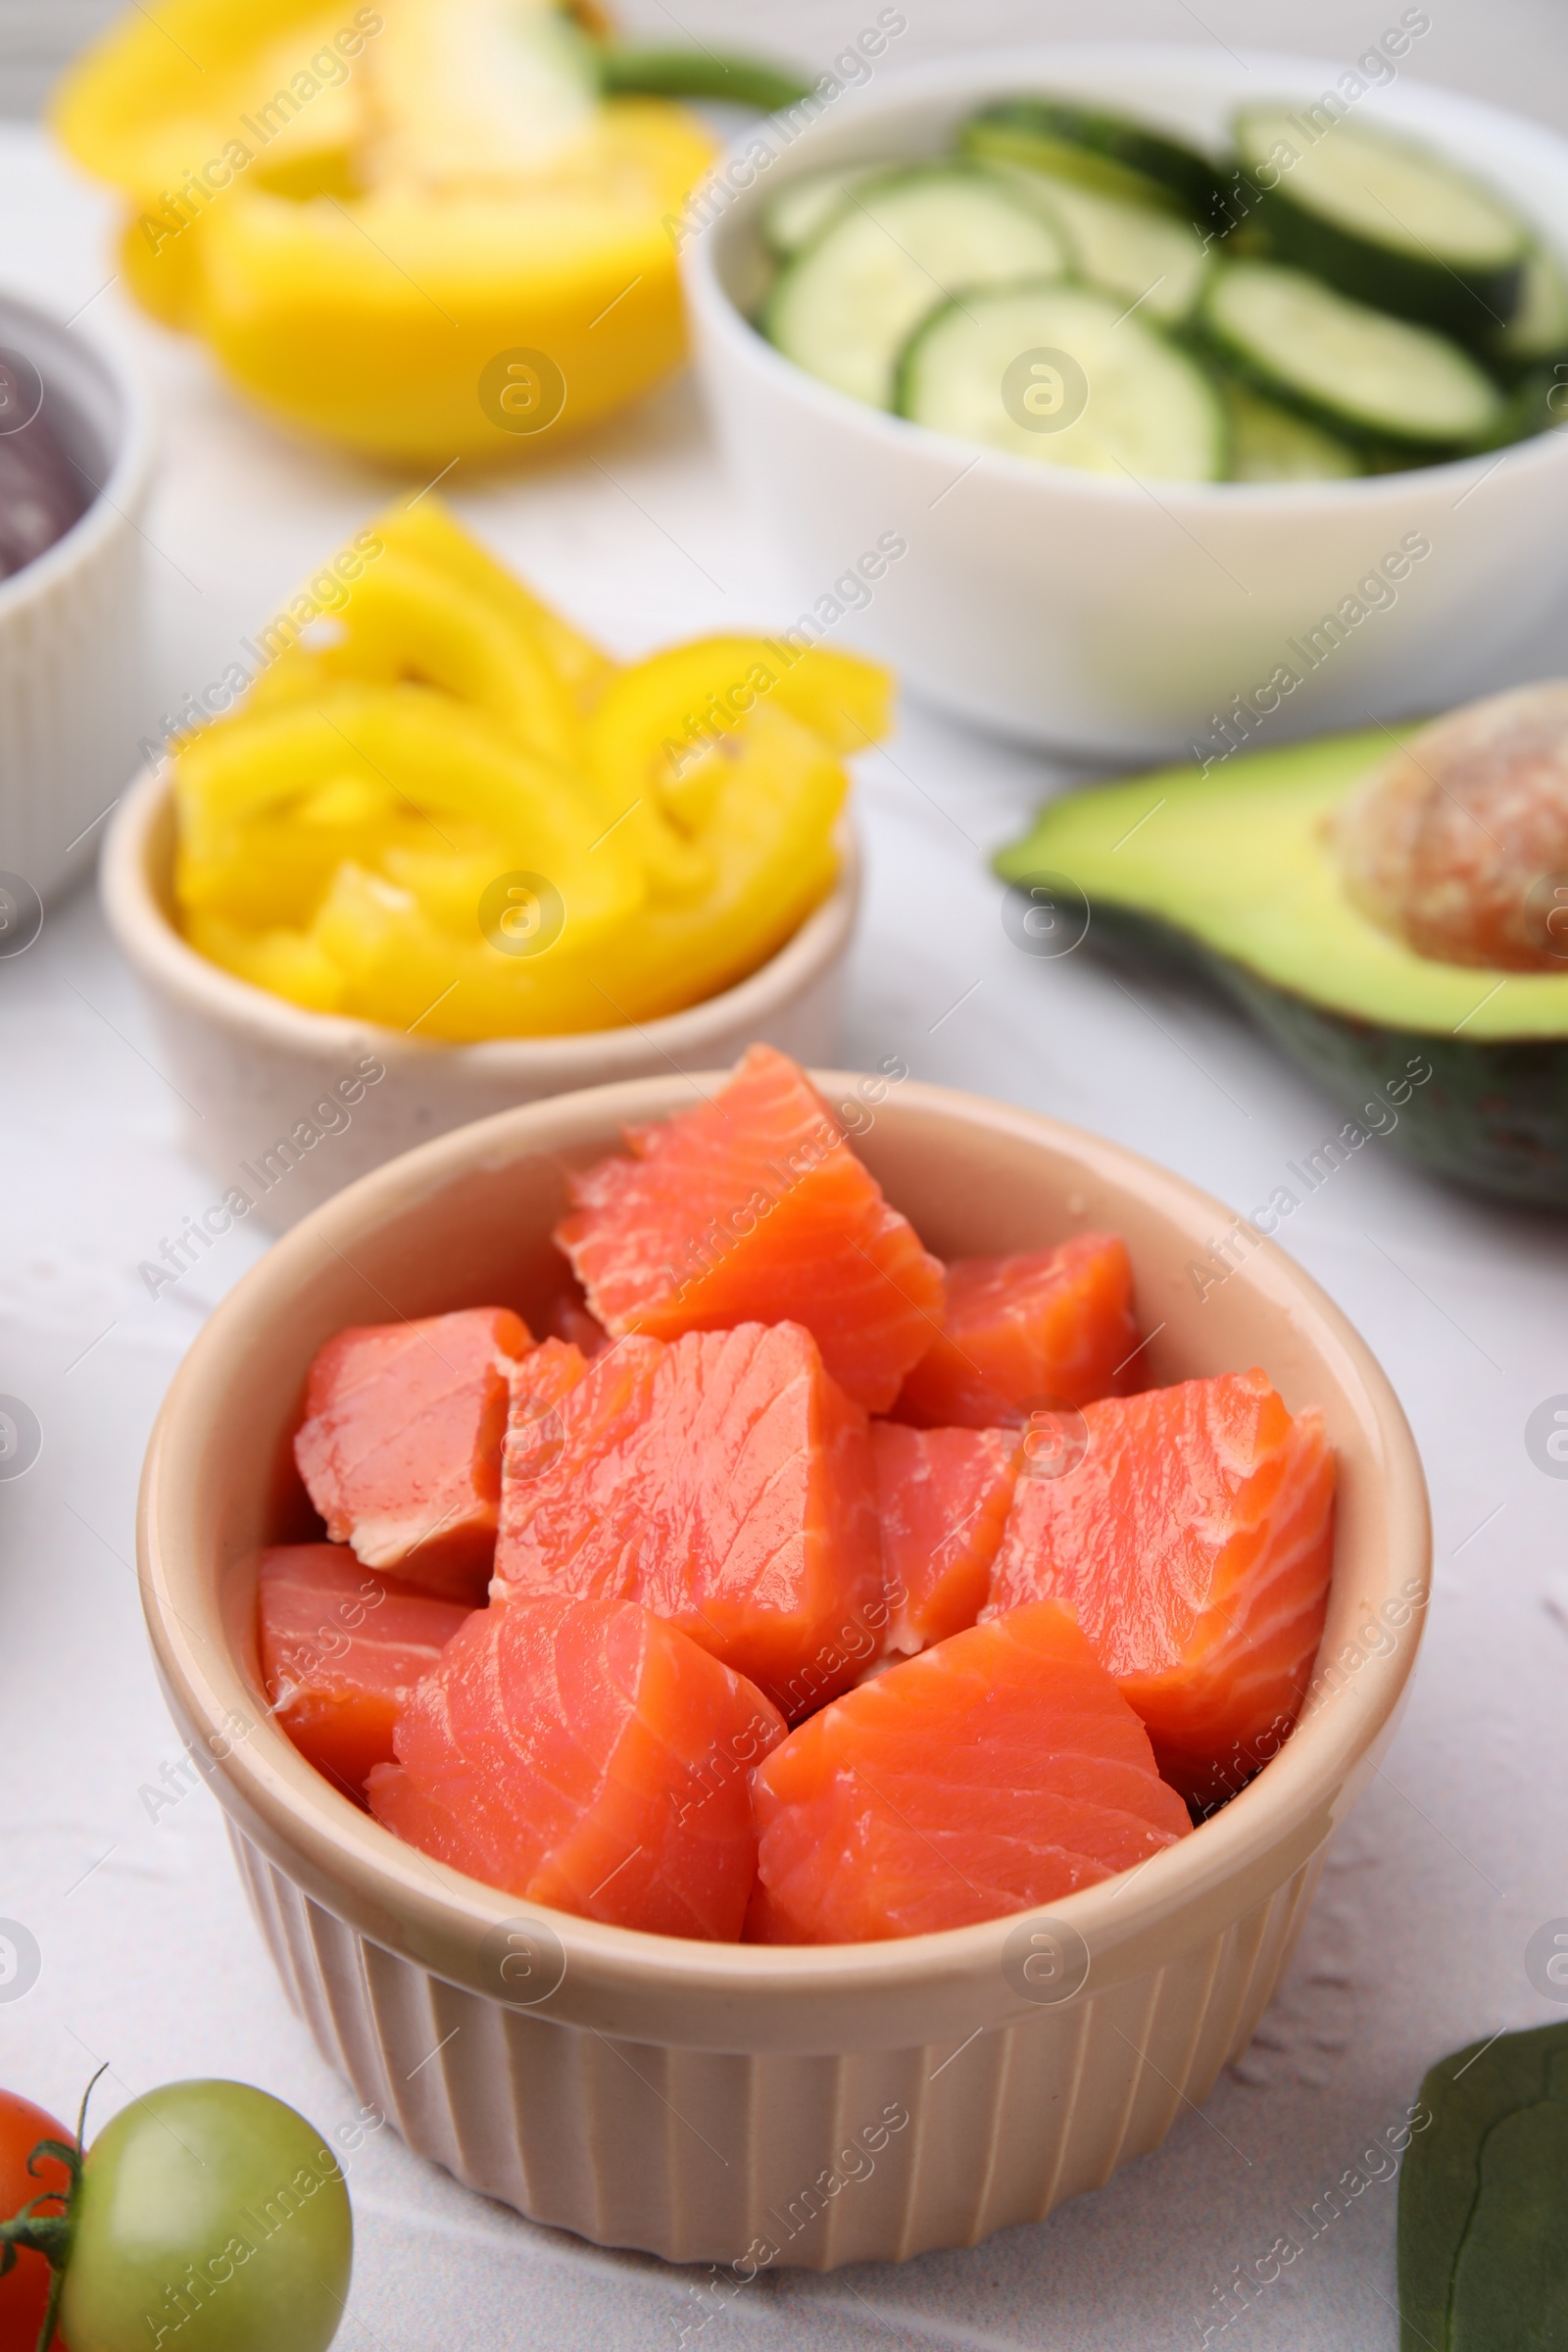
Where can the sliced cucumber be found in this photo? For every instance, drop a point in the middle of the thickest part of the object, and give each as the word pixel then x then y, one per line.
pixel 1141 251
pixel 1354 370
pixel 1533 405
pixel 1061 375
pixel 797 212
pixel 1538 328
pixel 1385 221
pixel 1269 444
pixel 1111 153
pixel 898 247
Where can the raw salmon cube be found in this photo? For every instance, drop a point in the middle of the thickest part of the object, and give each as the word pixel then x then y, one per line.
pixel 999 1770
pixel 753 1208
pixel 400 1448
pixel 1052 1327
pixel 724 1481
pixel 943 1497
pixel 584 1754
pixel 1195 1539
pixel 535 1386
pixel 340 1651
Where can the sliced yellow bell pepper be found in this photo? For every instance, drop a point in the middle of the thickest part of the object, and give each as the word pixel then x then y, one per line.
pixel 435 775
pixel 403 620
pixel 770 834
pixel 771 844
pixel 286 963
pixel 439 609
pixel 382 832
pixel 429 532
pixel 665 724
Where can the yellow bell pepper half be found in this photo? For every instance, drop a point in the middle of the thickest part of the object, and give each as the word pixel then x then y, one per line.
pixel 456 816
pixel 417 229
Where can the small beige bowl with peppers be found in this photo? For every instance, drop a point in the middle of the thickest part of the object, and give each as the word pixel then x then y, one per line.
pixel 445 838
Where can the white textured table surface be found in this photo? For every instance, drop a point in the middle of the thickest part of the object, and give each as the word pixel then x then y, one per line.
pixel 148 1956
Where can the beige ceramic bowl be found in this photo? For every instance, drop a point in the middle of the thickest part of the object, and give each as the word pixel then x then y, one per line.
pixel 719 2103
pixel 281 1108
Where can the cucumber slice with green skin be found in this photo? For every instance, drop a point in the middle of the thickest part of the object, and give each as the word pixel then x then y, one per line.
pixel 1354 370
pixel 1113 153
pixel 800 212
pixel 1538 329
pixel 1141 252
pixel 1270 444
pixel 1536 404
pixel 899 247
pixel 1062 375
pixel 1387 221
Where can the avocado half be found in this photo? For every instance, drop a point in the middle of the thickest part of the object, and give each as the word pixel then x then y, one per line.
pixel 1230 871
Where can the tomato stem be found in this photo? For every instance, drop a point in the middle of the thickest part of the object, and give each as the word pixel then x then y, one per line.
pixel 51 2313
pixel 39 2233
pixel 49 2233
pixel 625 71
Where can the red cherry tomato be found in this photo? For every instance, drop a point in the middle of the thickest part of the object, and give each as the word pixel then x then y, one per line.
pixel 24 2289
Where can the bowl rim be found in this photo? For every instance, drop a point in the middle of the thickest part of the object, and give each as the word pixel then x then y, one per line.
pixel 918 81
pixel 168 962
pixel 116 501
pixel 439 1917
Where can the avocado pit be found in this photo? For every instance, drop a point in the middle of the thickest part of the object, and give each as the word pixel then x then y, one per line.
pixel 1457 843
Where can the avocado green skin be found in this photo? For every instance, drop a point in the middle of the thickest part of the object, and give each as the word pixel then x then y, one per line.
pixel 1007 128
pixel 1470 306
pixel 1492 1115
pixel 1462 2098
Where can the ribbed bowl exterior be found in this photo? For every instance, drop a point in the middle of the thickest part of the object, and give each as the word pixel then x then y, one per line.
pixel 72 652
pixel 725 2154
pixel 266 1071
pixel 258 1096
pixel 749 2105
pixel 70 664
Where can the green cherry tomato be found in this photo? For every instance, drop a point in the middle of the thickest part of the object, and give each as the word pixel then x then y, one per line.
pixel 209 2219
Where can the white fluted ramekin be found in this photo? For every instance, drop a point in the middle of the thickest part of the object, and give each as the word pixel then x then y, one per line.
pixel 746 2105
pixel 283 1107
pixel 71 667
